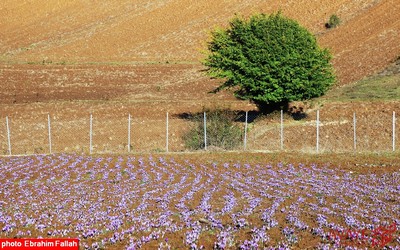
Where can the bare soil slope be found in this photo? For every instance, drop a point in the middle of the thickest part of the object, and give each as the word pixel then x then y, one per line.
pixel 176 30
pixel 73 58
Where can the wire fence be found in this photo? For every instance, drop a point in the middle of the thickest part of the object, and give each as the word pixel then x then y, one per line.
pixel 127 133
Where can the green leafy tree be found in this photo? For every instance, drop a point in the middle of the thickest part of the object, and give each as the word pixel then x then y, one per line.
pixel 269 60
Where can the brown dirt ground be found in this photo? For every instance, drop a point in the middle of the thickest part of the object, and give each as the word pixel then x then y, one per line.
pixel 115 55
pixel 70 93
pixel 70 59
pixel 121 31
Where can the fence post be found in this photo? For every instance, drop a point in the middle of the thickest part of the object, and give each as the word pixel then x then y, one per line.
pixel 129 133
pixel 8 136
pixel 245 131
pixel 354 132
pixel 317 131
pixel 167 132
pixel 281 129
pixel 205 131
pixel 91 134
pixel 394 132
pixel 49 130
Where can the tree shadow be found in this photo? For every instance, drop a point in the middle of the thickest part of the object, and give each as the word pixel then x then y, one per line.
pixel 233 115
pixel 252 115
pixel 296 111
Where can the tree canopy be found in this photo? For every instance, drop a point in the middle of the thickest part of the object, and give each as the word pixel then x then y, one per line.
pixel 269 59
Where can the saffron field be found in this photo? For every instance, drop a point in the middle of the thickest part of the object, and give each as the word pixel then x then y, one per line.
pixel 158 202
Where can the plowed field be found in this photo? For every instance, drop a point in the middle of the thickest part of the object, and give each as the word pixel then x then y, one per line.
pixel 72 58
pixel 64 60
pixel 174 30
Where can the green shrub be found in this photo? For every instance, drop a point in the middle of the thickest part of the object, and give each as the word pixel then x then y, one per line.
pixel 222 133
pixel 333 22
